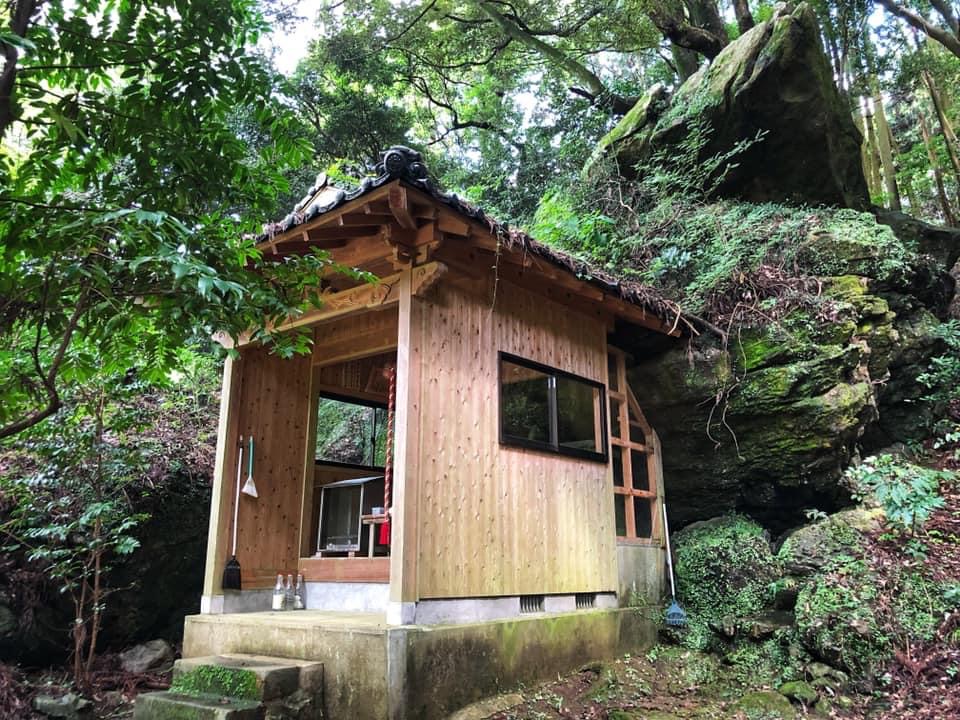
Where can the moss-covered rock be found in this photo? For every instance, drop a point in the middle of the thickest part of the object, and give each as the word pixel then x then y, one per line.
pixel 825 543
pixel 800 691
pixel 838 622
pixel 724 568
pixel 774 81
pixel 765 705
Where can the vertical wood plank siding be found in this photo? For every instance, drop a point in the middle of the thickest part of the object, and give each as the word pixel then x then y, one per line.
pixel 274 408
pixel 497 520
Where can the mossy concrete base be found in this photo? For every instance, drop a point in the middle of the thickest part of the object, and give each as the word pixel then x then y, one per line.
pixel 376 672
pixel 174 706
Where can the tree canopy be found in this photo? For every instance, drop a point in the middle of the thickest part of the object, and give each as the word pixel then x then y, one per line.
pixel 130 186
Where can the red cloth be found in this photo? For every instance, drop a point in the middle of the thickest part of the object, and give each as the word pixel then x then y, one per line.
pixel 384 533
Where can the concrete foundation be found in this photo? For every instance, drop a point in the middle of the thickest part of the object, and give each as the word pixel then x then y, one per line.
pixel 642 574
pixel 378 672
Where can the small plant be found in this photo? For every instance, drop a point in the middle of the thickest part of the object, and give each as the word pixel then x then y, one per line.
pixel 908 493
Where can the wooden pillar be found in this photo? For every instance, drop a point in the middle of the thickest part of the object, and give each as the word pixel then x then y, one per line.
pixel 222 497
pixel 404 534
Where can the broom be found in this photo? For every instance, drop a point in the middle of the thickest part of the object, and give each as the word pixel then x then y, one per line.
pixel 675 614
pixel 231 571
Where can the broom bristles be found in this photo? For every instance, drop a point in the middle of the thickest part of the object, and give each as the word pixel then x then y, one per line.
pixel 231 574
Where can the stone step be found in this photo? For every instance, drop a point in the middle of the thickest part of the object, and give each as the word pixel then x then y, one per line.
pixel 176 706
pixel 250 677
pixel 237 687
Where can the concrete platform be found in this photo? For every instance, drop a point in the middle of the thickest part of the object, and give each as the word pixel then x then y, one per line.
pixel 167 705
pixel 377 672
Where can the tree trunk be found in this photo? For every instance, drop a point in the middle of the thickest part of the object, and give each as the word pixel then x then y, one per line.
pixel 911 192
pixel 950 39
pixel 871 152
pixel 885 145
pixel 949 136
pixel 694 33
pixel 687 61
pixel 937 172
pixel 741 9
pixel 21 14
pixel 595 89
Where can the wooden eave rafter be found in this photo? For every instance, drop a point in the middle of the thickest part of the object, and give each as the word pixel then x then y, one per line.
pixel 406 226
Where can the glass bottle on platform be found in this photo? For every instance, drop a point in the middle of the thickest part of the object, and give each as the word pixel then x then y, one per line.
pixel 288 593
pixel 278 594
pixel 298 594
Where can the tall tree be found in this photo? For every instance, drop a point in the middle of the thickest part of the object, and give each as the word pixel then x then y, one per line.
pixel 121 175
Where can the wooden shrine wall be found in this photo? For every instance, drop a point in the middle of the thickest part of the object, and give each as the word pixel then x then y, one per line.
pixel 273 407
pixel 498 520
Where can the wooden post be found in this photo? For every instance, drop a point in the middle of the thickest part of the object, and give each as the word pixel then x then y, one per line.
pixel 404 533
pixel 222 497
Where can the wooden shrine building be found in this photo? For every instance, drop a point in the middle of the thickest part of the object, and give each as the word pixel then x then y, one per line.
pixel 459 469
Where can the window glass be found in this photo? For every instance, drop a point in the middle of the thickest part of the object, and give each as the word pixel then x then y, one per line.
pixel 620 511
pixel 636 434
pixel 643 517
pixel 614 417
pixel 638 470
pixel 551 410
pixel 525 403
pixel 617 466
pixel 350 432
pixel 578 405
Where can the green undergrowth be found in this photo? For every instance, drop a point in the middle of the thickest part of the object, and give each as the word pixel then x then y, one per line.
pixel 697 251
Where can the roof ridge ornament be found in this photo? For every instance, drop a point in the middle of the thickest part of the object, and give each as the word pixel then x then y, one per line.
pixel 401 162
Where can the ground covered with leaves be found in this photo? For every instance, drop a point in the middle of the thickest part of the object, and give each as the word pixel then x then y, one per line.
pixel 109 693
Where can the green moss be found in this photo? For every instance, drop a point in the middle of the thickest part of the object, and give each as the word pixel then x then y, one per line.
pixel 835 618
pixel 765 705
pixel 724 568
pixel 919 606
pixel 217 680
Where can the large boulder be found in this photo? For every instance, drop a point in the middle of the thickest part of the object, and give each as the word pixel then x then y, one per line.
pixel 771 89
pixel 766 421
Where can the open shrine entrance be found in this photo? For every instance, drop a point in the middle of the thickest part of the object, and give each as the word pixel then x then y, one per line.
pixel 345 530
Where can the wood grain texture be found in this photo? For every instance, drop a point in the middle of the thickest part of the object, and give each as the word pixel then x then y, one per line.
pixel 274 408
pixel 499 520
pixel 359 569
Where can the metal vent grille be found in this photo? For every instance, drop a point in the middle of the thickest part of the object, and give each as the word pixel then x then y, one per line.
pixel 586 601
pixel 531 603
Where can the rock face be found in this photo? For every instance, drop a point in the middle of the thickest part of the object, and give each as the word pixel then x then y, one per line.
pixel 766 424
pixel 776 81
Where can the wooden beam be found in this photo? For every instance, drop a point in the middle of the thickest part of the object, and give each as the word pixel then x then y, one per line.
pixel 342 233
pixel 404 531
pixel 360 299
pixel 222 497
pixel 352 206
pixel 400 207
pixel 452 223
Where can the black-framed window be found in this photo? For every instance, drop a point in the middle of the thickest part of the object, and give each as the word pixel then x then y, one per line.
pixel 548 409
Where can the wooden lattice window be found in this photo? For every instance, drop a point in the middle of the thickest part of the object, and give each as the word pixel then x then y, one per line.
pixel 634 451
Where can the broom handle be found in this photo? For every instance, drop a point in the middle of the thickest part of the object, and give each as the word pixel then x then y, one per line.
pixel 236 502
pixel 666 534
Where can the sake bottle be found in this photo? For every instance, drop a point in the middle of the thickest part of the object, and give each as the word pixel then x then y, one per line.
pixel 288 594
pixel 298 593
pixel 278 594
